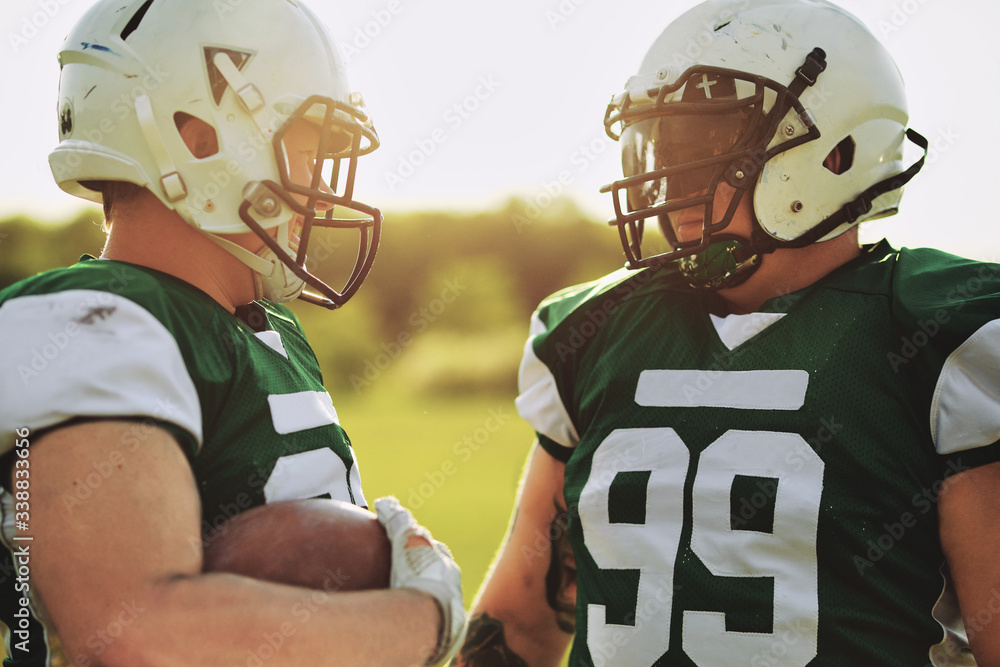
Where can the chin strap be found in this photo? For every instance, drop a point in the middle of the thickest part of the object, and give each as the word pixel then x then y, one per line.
pixel 272 278
pixel 806 74
pixel 849 213
pixel 256 263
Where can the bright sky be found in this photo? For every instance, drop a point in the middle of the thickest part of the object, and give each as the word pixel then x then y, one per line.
pixel 479 101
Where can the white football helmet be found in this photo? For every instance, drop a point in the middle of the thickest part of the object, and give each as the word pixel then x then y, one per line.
pixel 758 93
pixel 133 71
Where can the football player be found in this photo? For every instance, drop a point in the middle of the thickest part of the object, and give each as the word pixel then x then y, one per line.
pixel 152 393
pixel 764 443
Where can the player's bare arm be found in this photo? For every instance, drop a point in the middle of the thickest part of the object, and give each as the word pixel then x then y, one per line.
pixel 560 580
pixel 486 645
pixel 969 513
pixel 486 642
pixel 523 615
pixel 135 544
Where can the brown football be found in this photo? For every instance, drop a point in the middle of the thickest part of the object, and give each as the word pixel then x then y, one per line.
pixel 316 543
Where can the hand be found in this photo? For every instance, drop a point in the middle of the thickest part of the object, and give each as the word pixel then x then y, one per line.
pixel 422 563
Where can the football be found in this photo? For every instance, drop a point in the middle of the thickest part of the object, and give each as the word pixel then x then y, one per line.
pixel 317 543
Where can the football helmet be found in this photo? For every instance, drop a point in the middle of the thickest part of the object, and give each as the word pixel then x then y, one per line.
pixel 793 103
pixel 133 72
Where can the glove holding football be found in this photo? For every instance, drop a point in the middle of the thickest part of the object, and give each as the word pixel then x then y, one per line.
pixel 425 565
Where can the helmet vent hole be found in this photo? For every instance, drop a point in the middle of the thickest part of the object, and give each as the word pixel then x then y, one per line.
pixel 136 19
pixel 199 137
pixel 841 158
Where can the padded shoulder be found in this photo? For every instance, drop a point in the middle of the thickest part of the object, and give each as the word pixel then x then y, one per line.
pixel 77 347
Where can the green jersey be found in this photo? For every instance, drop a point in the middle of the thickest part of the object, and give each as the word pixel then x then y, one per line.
pixel 761 489
pixel 243 395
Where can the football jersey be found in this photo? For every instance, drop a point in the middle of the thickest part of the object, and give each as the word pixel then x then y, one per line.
pixel 243 396
pixel 761 489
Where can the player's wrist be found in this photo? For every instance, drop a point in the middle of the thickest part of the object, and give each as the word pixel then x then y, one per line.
pixel 441 644
pixel 421 563
pixel 450 628
pixel 433 631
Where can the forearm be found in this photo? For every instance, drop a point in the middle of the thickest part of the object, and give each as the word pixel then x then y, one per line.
pixel 970 537
pixel 221 619
pixel 524 613
pixel 513 626
pixel 487 644
pixel 120 576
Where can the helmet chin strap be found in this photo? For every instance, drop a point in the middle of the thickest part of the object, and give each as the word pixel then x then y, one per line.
pixel 848 214
pixel 729 261
pixel 271 278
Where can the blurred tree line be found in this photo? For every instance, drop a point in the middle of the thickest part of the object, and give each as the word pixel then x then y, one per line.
pixel 445 309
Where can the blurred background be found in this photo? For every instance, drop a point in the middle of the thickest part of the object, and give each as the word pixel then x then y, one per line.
pixel 480 102
pixel 493 150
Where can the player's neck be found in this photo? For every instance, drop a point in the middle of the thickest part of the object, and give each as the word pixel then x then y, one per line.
pixel 788 270
pixel 158 238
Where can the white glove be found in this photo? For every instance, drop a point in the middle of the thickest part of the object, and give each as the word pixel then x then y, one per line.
pixel 427 567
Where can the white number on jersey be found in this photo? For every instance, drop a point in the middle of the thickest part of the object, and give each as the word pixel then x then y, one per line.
pixel 314 473
pixel 787 553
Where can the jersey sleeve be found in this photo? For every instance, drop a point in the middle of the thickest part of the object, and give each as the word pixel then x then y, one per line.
pixel 965 411
pixel 562 327
pixel 539 402
pixel 90 354
pixel 947 310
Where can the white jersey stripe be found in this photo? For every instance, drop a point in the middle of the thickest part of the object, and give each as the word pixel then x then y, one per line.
pixel 746 390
